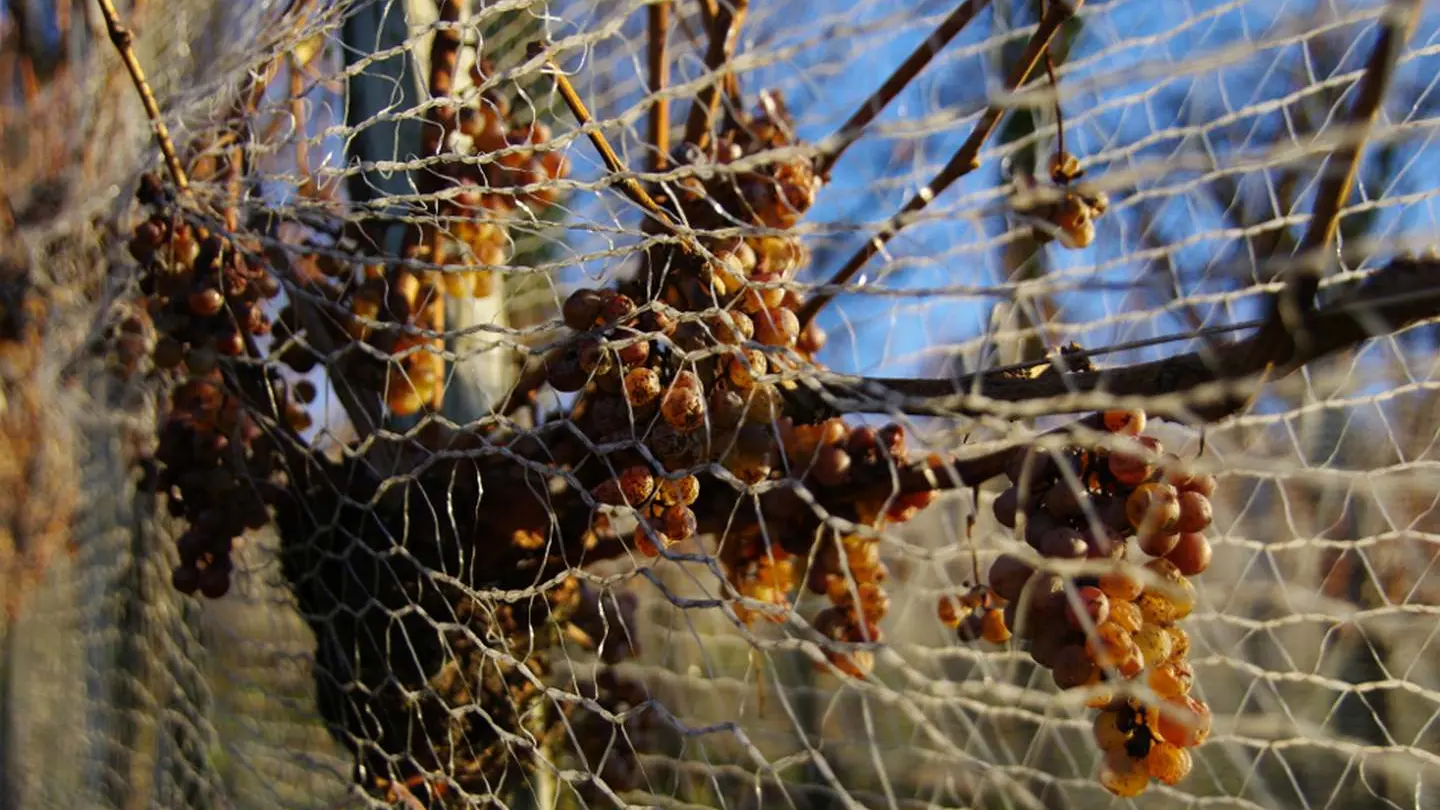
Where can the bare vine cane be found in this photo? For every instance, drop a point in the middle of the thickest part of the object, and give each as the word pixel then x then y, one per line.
pixel 964 161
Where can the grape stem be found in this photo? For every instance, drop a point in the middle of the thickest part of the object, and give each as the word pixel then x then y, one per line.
pixel 965 160
pixel 628 183
pixel 659 22
pixel 1394 297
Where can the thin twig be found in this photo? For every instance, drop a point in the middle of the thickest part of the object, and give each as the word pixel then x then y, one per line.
pixel 121 37
pixel 659 80
pixel 628 183
pixel 1297 299
pixel 724 33
pixel 964 161
pixel 709 10
pixel 307 186
pixel 852 129
pixel 1059 111
pixel 1400 294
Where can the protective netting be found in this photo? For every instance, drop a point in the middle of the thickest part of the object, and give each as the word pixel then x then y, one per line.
pixel 440 443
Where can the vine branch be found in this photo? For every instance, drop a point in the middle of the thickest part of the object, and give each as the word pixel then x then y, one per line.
pixel 1396 296
pixel 628 183
pixel 964 161
pixel 852 129
pixel 724 24
pixel 123 41
pixel 659 21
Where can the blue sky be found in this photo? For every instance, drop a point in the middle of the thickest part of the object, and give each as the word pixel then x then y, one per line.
pixel 1160 98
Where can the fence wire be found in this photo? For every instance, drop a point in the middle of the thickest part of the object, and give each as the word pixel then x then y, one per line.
pixel 430 442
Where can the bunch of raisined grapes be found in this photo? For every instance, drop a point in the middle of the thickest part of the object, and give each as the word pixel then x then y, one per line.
pixel 830 458
pixel 1122 624
pixel 486 196
pixel 689 360
pixel 477 203
pixel 205 295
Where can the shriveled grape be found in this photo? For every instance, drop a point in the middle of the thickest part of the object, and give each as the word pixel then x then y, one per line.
pixel 683 408
pixel 1110 729
pixel 1121 584
pixel 1183 721
pixel 1172 679
pixel 1168 763
pixel 681 491
pixel 1154 644
pixel 1123 776
pixel 1090 609
pixel 1005 507
pixel 1008 575
pixel 1129 470
pixel 993 627
pixel 1153 507
pixel 1157 544
pixel 1074 667
pixel 1126 614
pixel 949 612
pixel 1128 423
pixel 1195 512
pixel 1192 553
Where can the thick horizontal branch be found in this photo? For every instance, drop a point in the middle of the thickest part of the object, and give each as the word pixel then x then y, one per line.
pixel 1402 293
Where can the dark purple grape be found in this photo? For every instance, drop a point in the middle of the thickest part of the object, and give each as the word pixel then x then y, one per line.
pixel 1008 575
pixel 1065 501
pixel 1035 467
pixel 1037 524
pixel 1062 543
pixel 565 374
pixel 832 466
pixel 581 309
pixel 185 579
pixel 1005 507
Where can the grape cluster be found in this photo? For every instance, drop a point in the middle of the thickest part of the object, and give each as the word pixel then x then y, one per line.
pixel 1065 211
pixel 493 169
pixel 205 296
pixel 486 195
pixel 684 367
pixel 1120 625
pixel 685 373
pixel 831 458
pixel 746 276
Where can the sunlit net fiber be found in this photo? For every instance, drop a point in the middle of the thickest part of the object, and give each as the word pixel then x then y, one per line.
pixel 1208 125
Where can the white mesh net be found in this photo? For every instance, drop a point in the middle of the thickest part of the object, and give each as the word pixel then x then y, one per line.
pixel 522 474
